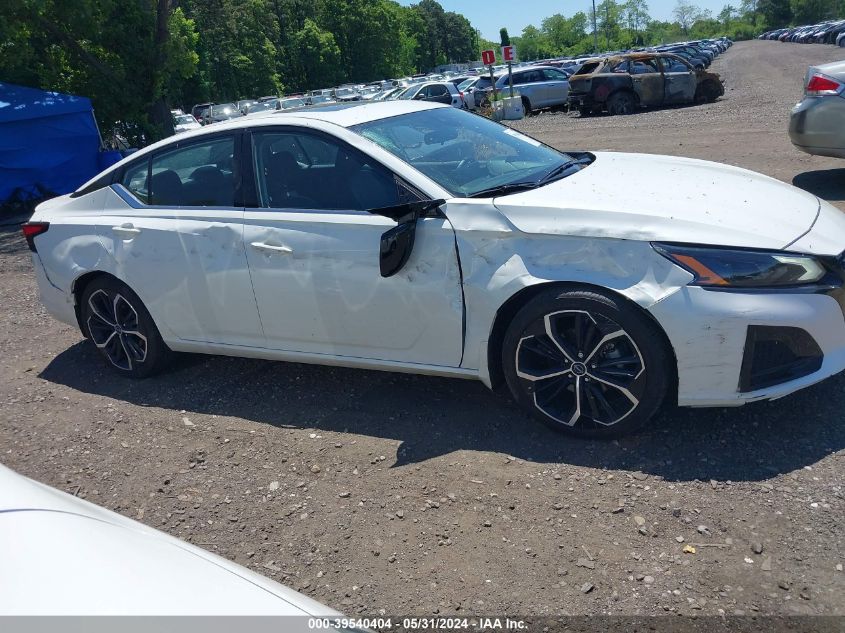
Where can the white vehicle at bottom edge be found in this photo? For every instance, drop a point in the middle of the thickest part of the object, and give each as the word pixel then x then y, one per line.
pixel 61 555
pixel 419 238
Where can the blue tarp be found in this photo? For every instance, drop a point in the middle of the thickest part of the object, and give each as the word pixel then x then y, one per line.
pixel 46 138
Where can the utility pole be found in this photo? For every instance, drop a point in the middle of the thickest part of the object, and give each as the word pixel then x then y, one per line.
pixel 595 31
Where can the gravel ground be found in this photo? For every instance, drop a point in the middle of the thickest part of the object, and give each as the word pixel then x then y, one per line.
pixel 376 492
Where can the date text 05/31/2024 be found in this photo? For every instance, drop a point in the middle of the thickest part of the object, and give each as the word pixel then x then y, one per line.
pixel 418 624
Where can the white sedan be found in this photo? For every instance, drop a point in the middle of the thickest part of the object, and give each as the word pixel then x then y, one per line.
pixel 415 237
pixel 62 556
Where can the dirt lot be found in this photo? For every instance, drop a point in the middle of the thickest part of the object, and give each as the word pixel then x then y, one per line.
pixel 415 495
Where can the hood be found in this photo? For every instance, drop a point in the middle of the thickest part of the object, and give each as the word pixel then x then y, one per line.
pixel 101 563
pixel 664 198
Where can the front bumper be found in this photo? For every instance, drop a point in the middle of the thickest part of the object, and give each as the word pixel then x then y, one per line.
pixel 709 330
pixel 817 126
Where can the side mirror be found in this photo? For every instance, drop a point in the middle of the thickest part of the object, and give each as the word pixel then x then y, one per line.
pixel 419 96
pixel 395 247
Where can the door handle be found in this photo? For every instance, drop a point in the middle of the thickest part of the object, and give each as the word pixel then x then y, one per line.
pixel 125 229
pixel 261 246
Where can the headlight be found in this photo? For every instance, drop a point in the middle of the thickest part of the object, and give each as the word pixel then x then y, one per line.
pixel 736 268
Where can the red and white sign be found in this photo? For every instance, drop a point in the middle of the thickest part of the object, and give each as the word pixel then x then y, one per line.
pixel 509 53
pixel 488 58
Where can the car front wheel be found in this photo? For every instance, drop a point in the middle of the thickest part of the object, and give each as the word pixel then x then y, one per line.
pixel 118 324
pixel 586 363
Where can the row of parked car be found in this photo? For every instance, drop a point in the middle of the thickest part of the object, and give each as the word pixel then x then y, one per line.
pixel 672 73
pixel 830 32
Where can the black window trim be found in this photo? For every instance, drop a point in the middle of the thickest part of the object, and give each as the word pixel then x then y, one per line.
pixel 250 184
pixel 237 170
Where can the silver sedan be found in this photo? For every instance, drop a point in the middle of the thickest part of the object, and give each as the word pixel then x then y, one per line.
pixel 817 125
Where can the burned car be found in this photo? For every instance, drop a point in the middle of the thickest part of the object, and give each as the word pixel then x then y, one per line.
pixel 622 84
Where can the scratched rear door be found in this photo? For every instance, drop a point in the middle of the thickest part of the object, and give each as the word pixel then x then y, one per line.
pixel 173 226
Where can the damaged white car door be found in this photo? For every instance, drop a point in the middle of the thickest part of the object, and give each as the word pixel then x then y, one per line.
pixel 176 238
pixel 313 244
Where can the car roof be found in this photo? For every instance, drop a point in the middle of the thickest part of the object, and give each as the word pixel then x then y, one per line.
pixel 341 114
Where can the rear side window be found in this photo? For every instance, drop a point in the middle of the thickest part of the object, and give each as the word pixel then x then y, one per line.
pixel 199 175
pixel 555 75
pixel 621 67
pixel 588 68
pixel 135 180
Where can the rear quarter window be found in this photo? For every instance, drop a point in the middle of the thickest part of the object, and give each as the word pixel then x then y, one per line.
pixel 588 68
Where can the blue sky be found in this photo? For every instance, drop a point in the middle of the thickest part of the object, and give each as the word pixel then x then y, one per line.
pixel 490 15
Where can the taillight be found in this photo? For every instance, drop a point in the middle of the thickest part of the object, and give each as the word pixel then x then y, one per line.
pixel 33 229
pixel 821 85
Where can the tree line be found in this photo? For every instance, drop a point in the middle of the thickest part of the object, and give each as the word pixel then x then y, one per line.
pixel 136 59
pixel 624 25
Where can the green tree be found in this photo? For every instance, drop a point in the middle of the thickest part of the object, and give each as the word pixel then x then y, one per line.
pixel 686 14
pixel 774 13
pixel 504 38
pixel 811 11
pixel 728 14
pixel 636 17
pixel 319 56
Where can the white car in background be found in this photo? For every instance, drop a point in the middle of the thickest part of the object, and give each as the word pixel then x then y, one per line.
pixel 185 122
pixel 63 556
pixel 467 89
pixel 416 237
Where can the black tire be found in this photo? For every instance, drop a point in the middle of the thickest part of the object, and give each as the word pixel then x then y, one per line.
pixel 118 324
pixel 526 106
pixel 621 103
pixel 560 385
pixel 706 92
pixel 585 111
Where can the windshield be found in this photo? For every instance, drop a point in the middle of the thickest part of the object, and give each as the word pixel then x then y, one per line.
pixel 464 153
pixel 466 83
pixel 184 118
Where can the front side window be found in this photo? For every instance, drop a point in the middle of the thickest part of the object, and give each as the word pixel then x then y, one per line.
pixel 301 170
pixel 674 65
pixel 463 153
pixel 199 175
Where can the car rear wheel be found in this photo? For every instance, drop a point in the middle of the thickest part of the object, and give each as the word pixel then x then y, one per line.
pixel 586 363
pixel 118 324
pixel 621 103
